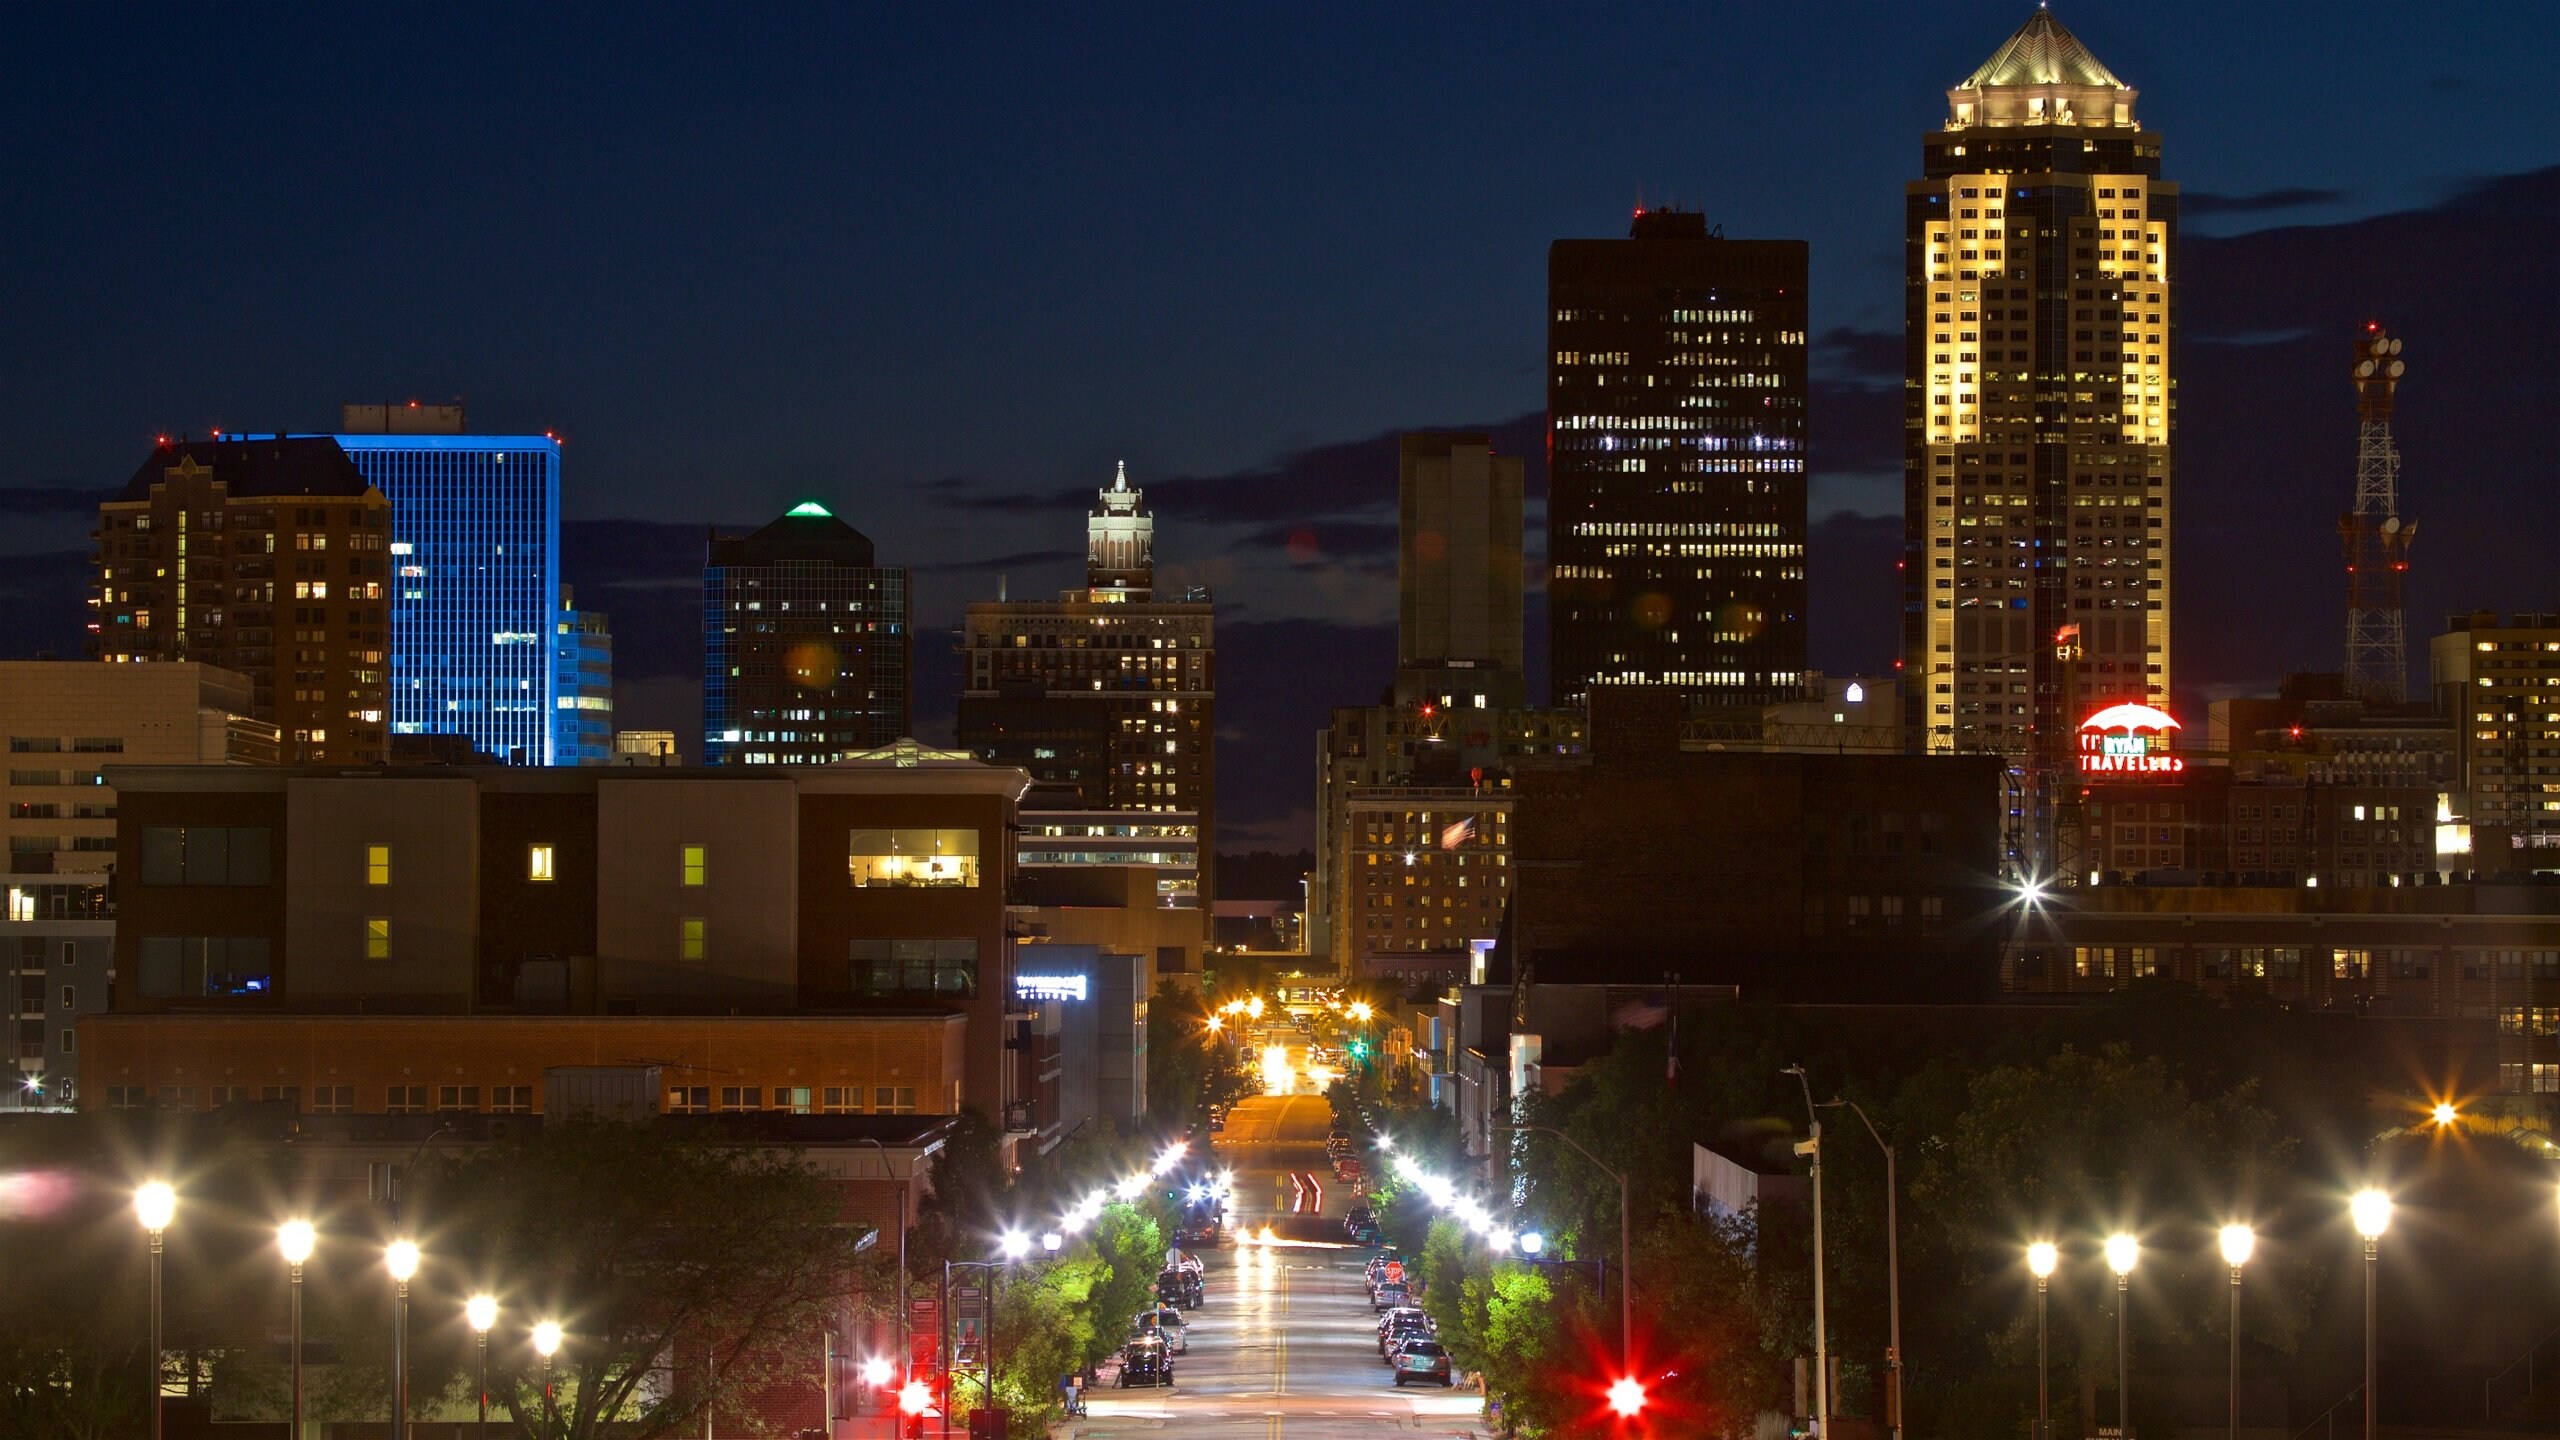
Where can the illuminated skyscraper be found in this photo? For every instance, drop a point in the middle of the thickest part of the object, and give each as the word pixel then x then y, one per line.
pixel 805 644
pixel 2041 253
pixel 1676 463
pixel 1109 691
pixel 582 678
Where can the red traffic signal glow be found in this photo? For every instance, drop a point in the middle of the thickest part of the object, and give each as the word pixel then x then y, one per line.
pixel 1626 1395
pixel 915 1399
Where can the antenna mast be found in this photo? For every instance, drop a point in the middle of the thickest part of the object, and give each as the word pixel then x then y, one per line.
pixel 2375 537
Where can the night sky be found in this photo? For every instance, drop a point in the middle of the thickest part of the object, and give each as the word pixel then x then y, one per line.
pixel 939 266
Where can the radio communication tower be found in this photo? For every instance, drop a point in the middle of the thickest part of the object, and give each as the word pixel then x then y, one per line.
pixel 2376 538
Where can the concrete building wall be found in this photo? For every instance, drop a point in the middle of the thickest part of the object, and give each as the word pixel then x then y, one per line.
pixel 745 893
pixel 334 831
pixel 62 720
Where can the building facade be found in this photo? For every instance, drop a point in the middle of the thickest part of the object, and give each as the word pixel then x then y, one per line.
pixel 499 903
pixel 1676 463
pixel 476 540
pixel 1459 569
pixel 1108 692
pixel 266 557
pixel 64 721
pixel 582 677
pixel 2040 274
pixel 806 645
pixel 2499 681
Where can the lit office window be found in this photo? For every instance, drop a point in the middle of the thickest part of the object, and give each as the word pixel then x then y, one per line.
pixel 690 937
pixel 537 864
pixel 697 865
pixel 914 857
pixel 377 864
pixel 377 937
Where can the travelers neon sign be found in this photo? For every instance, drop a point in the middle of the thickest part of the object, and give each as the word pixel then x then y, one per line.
pixel 2128 740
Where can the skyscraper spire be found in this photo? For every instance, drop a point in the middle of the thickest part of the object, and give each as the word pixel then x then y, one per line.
pixel 1120 541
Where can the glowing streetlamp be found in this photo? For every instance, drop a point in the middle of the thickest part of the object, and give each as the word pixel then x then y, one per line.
pixel 1532 1243
pixel 2371 1211
pixel 1051 1241
pixel 2122 1251
pixel 2238 1241
pixel 1626 1396
pixel 2041 1258
pixel 876 1373
pixel 482 1311
pixel 546 1343
pixel 296 1240
pixel 155 1205
pixel 2445 1114
pixel 401 1259
pixel 1013 1244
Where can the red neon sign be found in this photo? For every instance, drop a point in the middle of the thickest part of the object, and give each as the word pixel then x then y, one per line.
pixel 2128 740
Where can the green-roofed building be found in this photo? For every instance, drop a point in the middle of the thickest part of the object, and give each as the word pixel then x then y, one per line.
pixel 806 644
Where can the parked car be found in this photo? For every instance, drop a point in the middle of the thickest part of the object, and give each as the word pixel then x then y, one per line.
pixel 1422 1360
pixel 1401 1327
pixel 1180 1286
pixel 1400 1315
pixel 1388 1297
pixel 1145 1362
pixel 1165 1323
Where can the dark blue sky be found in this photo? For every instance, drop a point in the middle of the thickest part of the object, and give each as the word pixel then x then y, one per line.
pixel 894 257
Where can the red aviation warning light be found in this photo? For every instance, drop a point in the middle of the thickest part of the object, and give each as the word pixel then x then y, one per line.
pixel 1626 1396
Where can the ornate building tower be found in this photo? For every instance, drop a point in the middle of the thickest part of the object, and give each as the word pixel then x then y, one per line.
pixel 1120 542
pixel 2040 278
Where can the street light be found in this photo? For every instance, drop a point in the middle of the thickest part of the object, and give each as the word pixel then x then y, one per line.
pixel 876 1372
pixel 1893 1275
pixel 296 1239
pixel 1532 1243
pixel 2238 1241
pixel 2041 1258
pixel 1626 1396
pixel 2122 1251
pixel 155 1205
pixel 1013 1245
pixel 1812 1149
pixel 1051 1241
pixel 2371 1211
pixel 401 1259
pixel 482 1311
pixel 546 1343
pixel 2445 1114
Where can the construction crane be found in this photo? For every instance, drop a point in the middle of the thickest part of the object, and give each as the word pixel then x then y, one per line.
pixel 2376 538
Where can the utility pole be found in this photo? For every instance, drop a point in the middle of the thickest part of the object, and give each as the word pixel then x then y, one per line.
pixel 1812 1149
pixel 1893 1275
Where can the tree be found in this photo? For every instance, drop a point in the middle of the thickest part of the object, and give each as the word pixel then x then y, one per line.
pixel 649 1243
pixel 1189 1068
pixel 1130 1244
pixel 1049 1327
pixel 965 1197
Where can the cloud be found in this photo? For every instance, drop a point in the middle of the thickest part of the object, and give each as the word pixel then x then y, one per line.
pixel 2199 203
pixel 52 500
pixel 1018 560
pixel 1321 540
pixel 1874 357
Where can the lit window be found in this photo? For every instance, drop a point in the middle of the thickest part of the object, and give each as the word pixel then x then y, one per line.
pixel 697 865
pixel 913 857
pixel 377 864
pixel 690 933
pixel 377 937
pixel 537 865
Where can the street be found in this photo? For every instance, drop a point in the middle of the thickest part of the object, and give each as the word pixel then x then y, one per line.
pixel 1286 1345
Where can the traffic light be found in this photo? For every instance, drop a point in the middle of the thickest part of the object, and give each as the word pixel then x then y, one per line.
pixel 1359 1049
pixel 1626 1396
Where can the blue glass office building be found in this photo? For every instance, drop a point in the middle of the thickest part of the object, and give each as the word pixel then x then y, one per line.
pixel 582 681
pixel 475 542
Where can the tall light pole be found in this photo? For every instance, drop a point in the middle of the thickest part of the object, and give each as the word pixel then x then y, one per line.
pixel 482 1311
pixel 2041 1258
pixel 546 1343
pixel 296 1239
pixel 1811 1148
pixel 906 1347
pixel 2122 1251
pixel 1012 1245
pixel 1626 1271
pixel 401 1259
pixel 1893 1275
pixel 2238 1241
pixel 2371 1210
pixel 155 1205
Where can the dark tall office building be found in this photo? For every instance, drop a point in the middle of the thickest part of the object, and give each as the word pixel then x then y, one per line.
pixel 2040 269
pixel 805 644
pixel 1676 455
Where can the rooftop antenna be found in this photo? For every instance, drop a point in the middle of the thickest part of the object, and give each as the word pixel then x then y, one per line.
pixel 2376 538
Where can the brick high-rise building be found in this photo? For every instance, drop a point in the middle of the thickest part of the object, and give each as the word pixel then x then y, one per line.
pixel 266 556
pixel 1109 691
pixel 2041 252
pixel 1676 463
pixel 806 652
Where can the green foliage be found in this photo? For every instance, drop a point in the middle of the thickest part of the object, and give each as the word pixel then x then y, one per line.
pixel 1130 1244
pixel 965 1199
pixel 1049 1325
pixel 1188 1068
pixel 646 1241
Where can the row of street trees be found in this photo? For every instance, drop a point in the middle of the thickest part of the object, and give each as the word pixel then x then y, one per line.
pixel 2163 1113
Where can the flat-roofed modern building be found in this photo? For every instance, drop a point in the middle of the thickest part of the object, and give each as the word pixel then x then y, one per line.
pixel 64 721
pixel 582 680
pixel 518 914
pixel 2499 680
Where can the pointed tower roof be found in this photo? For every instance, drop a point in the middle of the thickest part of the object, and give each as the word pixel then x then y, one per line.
pixel 2042 53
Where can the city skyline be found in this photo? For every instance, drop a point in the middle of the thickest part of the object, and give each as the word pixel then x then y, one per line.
pixel 1293 501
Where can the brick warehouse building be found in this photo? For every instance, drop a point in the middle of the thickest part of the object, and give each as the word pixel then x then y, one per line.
pixel 823 939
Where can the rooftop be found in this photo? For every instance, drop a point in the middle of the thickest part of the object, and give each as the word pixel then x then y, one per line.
pixel 2042 52
pixel 269 465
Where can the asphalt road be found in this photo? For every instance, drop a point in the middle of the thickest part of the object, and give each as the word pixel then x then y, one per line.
pixel 1286 1346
